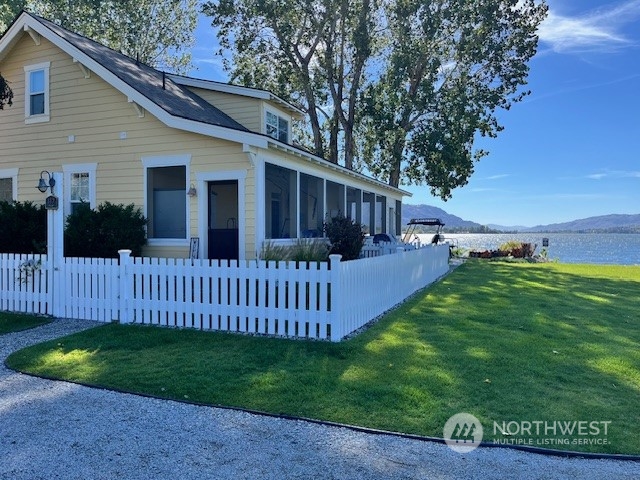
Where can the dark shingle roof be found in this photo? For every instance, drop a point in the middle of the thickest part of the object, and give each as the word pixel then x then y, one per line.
pixel 175 99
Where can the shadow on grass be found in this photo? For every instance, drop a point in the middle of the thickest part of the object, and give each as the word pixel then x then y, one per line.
pixel 17 322
pixel 504 342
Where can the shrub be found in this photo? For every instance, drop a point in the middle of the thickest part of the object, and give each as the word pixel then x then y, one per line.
pixel 307 250
pixel 304 250
pixel 23 228
pixel 517 249
pixel 102 232
pixel 274 253
pixel 346 237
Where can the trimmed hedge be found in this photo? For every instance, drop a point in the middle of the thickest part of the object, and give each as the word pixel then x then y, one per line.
pixel 100 233
pixel 23 227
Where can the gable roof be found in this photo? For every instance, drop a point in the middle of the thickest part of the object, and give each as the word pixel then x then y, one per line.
pixel 173 104
pixel 237 90
pixel 153 84
pixel 164 96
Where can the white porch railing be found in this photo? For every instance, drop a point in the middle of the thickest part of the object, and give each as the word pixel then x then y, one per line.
pixel 316 300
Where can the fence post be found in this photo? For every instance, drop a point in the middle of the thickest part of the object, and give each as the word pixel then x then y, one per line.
pixel 336 298
pixel 124 285
pixel 55 250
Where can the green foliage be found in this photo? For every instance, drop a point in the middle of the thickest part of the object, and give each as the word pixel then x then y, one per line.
pixel 159 33
pixel 311 53
pixel 504 342
pixel 23 228
pixel 517 249
pixel 304 250
pixel 8 10
pixel 453 65
pixel 274 253
pixel 6 95
pixel 310 250
pixel 102 232
pixel 346 237
pixel 412 84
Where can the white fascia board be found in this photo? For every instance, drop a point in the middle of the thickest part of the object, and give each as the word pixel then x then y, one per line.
pixel 132 94
pixel 234 90
pixel 238 136
pixel 11 37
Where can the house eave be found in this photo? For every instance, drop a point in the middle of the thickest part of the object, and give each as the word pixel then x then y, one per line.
pixel 335 167
pixel 237 90
pixel 25 22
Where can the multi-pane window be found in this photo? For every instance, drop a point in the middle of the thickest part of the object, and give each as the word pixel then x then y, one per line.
pixel 37 92
pixel 79 190
pixel 6 189
pixel 277 127
pixel 79 186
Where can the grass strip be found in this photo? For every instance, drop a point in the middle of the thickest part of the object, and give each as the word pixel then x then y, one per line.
pixel 504 342
pixel 16 322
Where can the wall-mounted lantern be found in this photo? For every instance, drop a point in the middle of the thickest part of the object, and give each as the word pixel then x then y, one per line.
pixel 192 191
pixel 44 185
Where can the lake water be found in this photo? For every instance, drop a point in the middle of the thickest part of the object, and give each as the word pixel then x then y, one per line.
pixel 603 248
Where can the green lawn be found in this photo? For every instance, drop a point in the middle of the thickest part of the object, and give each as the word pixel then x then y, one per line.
pixel 505 342
pixel 15 322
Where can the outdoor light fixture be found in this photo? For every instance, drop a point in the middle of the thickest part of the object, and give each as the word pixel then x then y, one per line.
pixel 192 191
pixel 43 184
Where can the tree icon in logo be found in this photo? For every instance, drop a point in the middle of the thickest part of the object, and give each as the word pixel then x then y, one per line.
pixel 463 432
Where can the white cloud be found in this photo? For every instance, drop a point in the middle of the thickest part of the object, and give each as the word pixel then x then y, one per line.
pixel 479 190
pixel 498 177
pixel 597 30
pixel 614 174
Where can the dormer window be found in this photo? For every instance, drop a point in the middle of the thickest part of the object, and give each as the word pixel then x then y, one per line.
pixel 37 93
pixel 277 127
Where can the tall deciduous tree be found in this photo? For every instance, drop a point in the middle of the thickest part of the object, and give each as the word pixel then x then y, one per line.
pixel 452 65
pixel 310 52
pixel 159 33
pixel 275 46
pixel 437 71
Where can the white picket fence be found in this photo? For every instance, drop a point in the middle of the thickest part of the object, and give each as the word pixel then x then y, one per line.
pixel 23 288
pixel 311 300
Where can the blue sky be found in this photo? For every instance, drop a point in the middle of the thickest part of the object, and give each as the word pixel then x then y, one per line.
pixel 572 148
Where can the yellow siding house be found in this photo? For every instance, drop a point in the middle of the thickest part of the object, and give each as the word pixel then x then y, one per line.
pixel 202 159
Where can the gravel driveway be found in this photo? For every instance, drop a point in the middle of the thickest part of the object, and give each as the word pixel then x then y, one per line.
pixel 57 430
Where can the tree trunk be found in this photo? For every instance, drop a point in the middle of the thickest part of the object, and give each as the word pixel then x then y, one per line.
pixel 333 138
pixel 396 161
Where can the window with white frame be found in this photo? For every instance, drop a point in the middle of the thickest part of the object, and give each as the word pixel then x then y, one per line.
pixel 8 184
pixel 166 199
pixel 277 127
pixel 81 181
pixel 37 93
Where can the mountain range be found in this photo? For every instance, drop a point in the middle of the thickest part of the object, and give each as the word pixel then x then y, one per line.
pixel 602 223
